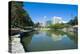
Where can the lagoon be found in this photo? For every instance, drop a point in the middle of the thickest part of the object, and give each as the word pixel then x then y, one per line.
pixel 44 40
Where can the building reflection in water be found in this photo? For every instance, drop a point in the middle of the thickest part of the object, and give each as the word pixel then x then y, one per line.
pixel 47 40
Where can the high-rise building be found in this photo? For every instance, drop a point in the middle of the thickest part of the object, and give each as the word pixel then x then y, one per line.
pixel 57 20
pixel 49 22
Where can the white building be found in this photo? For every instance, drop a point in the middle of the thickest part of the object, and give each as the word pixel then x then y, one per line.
pixel 57 20
pixel 43 24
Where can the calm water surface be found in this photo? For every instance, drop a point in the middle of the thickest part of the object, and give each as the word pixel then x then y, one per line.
pixel 48 40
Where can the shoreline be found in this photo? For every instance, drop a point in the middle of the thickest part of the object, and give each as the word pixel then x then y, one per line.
pixel 16 46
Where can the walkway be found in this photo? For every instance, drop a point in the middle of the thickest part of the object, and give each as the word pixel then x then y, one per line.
pixel 16 45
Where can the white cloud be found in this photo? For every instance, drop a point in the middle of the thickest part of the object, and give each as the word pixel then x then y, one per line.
pixel 65 21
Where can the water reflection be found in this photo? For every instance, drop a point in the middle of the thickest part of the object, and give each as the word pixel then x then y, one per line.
pixel 56 35
pixel 59 35
pixel 48 40
pixel 26 39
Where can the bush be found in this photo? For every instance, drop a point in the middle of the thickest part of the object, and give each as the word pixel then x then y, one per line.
pixel 57 26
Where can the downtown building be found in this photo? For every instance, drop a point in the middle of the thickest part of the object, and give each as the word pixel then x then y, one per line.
pixel 57 20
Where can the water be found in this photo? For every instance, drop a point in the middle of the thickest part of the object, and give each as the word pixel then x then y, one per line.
pixel 48 40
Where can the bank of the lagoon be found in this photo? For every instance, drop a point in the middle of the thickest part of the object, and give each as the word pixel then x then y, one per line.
pixel 43 40
pixel 16 46
pixel 15 41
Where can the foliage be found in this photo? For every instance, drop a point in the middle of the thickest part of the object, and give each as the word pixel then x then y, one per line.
pixel 37 25
pixel 57 26
pixel 66 25
pixel 73 21
pixel 19 17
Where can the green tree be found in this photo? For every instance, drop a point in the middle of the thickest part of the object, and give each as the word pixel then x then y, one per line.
pixel 73 21
pixel 57 26
pixel 37 24
pixel 19 17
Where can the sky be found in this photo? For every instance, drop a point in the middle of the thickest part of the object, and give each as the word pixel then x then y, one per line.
pixel 42 12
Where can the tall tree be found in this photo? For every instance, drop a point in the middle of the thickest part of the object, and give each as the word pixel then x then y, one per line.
pixel 19 17
pixel 73 21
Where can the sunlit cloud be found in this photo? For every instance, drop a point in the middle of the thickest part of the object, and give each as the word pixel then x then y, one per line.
pixel 65 21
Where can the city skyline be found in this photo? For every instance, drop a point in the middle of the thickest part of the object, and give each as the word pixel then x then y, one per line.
pixel 42 12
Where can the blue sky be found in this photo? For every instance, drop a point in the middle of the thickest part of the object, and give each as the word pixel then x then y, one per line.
pixel 41 12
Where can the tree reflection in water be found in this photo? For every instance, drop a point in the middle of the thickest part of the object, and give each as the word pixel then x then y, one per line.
pixel 48 40
pixel 26 38
pixel 58 35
